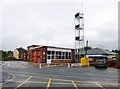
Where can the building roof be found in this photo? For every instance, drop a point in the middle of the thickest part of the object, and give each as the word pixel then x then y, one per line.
pixel 39 46
pixel 98 51
pixel 21 50
pixel 56 47
pixel 33 46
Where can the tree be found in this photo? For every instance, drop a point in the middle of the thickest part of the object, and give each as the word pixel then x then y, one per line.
pixel 87 48
pixel 0 54
pixel 4 54
pixel 116 51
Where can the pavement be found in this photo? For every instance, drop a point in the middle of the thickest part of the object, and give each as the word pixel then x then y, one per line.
pixel 24 76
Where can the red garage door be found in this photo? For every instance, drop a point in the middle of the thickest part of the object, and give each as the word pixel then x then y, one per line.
pixel 38 56
pixel 33 56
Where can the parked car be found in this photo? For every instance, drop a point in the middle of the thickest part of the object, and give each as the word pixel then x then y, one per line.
pixel 101 63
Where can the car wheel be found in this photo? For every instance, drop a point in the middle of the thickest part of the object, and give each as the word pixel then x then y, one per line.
pixel 105 67
pixel 96 67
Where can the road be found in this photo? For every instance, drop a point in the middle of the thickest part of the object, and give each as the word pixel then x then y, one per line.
pixel 24 76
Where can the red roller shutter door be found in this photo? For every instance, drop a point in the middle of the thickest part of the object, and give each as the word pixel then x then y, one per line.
pixel 33 57
pixel 38 54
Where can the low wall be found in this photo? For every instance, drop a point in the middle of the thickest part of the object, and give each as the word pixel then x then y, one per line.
pixel 62 61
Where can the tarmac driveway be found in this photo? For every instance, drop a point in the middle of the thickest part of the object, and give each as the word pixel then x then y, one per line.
pixel 49 78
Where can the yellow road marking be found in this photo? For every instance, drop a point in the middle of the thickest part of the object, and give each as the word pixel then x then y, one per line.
pixel 61 83
pixel 32 76
pixel 23 82
pixel 53 78
pixel 74 85
pixel 112 84
pixel 74 81
pixel 99 85
pixel 48 78
pixel 44 82
pixel 44 77
pixel 48 85
pixel 61 79
pixel 30 82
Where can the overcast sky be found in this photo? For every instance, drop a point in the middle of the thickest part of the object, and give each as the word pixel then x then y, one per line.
pixel 51 22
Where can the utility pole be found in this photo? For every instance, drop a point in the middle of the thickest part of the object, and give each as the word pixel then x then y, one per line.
pixel 86 48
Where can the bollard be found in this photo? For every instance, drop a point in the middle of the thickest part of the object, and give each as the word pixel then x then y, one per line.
pixel 48 65
pixel 40 65
pixel 68 65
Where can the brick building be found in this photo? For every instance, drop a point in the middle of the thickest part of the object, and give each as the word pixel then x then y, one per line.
pixel 50 54
pixel 20 53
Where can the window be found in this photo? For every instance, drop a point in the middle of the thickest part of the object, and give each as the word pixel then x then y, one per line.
pixel 48 57
pixel 69 57
pixel 56 57
pixel 52 52
pixel 43 53
pixel 48 52
pixel 59 57
pixel 52 57
pixel 62 57
pixel 59 52
pixel 56 52
pixel 69 53
pixel 66 55
pixel 63 53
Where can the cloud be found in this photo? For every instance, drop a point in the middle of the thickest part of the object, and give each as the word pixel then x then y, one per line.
pixel 52 23
pixel 101 28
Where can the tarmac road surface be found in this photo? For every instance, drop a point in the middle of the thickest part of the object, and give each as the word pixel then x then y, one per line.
pixel 58 78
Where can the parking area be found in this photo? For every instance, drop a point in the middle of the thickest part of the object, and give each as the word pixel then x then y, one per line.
pixel 24 81
pixel 59 77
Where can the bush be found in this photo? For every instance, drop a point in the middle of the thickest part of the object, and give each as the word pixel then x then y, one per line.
pixel 111 63
pixel 117 63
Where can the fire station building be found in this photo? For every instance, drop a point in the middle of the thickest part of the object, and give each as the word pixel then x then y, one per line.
pixel 50 54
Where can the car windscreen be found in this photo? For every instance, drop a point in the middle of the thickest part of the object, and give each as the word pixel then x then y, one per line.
pixel 100 60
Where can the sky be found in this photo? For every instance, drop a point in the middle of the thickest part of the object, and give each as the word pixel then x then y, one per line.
pixel 51 22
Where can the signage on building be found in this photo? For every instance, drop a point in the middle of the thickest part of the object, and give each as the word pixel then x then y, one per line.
pixel 48 61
